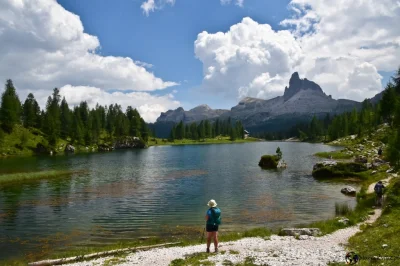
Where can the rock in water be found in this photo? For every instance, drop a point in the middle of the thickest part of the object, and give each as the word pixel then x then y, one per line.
pixel 349 191
pixel 269 162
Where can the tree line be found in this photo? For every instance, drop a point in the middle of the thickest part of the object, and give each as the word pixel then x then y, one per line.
pixel 79 125
pixel 206 129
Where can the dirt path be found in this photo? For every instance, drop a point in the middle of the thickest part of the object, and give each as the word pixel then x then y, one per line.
pixel 384 181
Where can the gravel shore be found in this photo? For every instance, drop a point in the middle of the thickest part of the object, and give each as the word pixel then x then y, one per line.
pixel 277 250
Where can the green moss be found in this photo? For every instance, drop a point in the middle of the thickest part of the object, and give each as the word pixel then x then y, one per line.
pixel 269 161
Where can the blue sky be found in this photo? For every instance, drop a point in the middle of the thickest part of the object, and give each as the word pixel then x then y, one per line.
pixel 187 52
pixel 166 38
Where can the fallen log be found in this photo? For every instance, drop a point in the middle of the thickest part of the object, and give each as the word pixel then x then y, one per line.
pixel 95 255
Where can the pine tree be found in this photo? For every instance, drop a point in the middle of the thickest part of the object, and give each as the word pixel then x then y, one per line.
pixel 388 103
pixel 232 133
pixel 31 112
pixel 52 123
pixel 77 133
pixel 66 119
pixel 10 109
pixel 201 130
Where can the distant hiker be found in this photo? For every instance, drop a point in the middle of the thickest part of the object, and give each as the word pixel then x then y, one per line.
pixel 213 218
pixel 380 152
pixel 379 192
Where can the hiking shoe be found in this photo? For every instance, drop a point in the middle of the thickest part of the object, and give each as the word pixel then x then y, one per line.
pixel 216 250
pixel 208 250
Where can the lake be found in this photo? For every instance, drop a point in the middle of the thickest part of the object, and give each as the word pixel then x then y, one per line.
pixel 123 195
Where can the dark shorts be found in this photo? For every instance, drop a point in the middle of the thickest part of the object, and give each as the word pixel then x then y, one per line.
pixel 211 228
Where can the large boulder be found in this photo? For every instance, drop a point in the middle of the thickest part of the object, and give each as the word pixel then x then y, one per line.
pixel 269 162
pixel 349 191
pixel 301 231
pixel 340 169
pixel 69 148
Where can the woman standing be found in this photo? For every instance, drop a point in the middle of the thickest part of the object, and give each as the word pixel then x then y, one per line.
pixel 213 218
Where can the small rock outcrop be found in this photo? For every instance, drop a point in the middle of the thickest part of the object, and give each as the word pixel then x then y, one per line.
pixel 301 231
pixel 349 191
pixel 69 149
pixel 269 162
pixel 335 169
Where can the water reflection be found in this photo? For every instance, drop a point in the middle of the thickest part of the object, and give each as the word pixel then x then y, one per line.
pixel 159 191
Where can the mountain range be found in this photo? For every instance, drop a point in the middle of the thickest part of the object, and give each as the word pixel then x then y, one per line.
pixel 300 102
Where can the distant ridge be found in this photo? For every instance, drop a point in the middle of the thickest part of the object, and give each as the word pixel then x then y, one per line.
pixel 300 102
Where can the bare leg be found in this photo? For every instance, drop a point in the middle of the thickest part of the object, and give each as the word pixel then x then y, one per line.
pixel 216 241
pixel 209 235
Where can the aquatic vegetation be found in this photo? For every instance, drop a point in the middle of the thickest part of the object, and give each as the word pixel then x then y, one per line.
pixel 342 208
pixel 20 178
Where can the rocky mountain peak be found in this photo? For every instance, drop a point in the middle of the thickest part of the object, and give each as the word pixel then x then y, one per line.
pixel 203 107
pixel 296 84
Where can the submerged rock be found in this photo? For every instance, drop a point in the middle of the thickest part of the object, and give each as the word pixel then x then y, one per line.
pixel 349 191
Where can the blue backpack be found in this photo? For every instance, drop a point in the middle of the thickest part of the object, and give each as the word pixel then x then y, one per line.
pixel 379 189
pixel 215 217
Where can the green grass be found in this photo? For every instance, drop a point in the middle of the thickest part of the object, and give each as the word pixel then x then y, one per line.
pixel 342 209
pixel 336 155
pixel 195 259
pixel 21 142
pixel 19 178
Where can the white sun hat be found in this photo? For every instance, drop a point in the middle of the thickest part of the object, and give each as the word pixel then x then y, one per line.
pixel 212 203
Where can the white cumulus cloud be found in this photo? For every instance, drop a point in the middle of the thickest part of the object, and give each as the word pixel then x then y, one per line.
pixel 43 46
pixel 149 6
pixel 341 45
pixel 149 106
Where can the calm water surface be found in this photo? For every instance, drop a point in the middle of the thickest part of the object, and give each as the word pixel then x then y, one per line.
pixel 127 194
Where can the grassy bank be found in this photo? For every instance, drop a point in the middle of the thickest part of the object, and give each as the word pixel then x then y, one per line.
pixel 381 239
pixel 19 178
pixel 336 155
pixel 218 140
